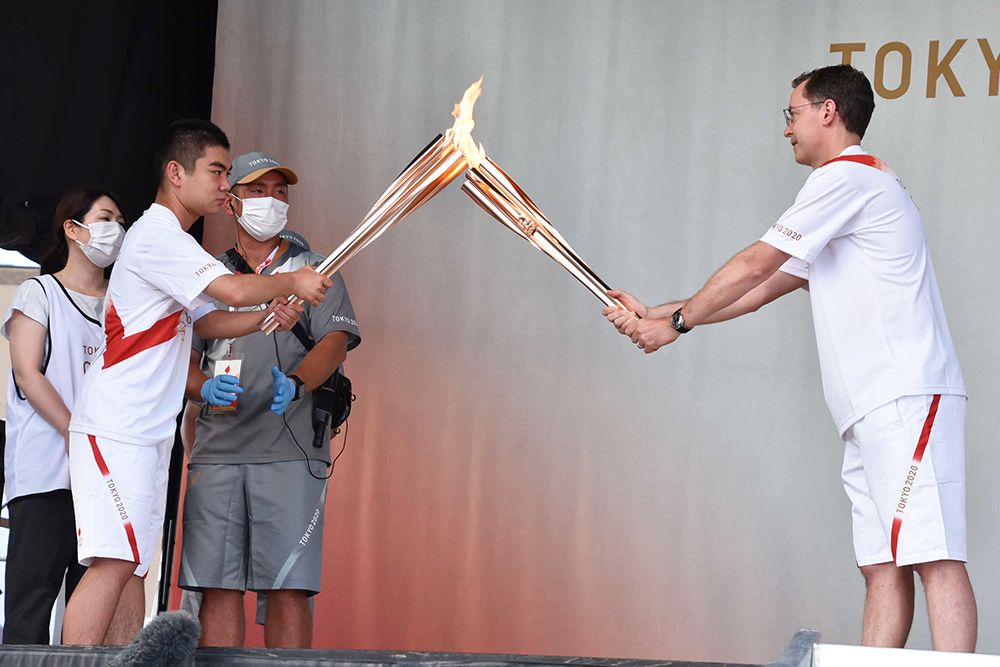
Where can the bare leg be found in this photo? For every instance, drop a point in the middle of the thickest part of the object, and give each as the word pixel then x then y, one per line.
pixel 289 622
pixel 131 611
pixel 93 603
pixel 222 622
pixel 888 605
pixel 951 605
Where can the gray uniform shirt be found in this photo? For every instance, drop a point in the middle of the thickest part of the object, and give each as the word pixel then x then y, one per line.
pixel 254 434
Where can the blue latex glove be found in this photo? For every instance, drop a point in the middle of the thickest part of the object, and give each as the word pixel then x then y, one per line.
pixel 221 390
pixel 283 389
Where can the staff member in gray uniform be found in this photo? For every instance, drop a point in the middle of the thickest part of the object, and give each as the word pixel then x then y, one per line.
pixel 255 457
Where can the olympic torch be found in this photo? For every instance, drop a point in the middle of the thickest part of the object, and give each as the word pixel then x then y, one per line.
pixel 434 168
pixel 497 193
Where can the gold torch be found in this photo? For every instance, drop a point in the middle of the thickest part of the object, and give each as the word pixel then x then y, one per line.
pixel 501 197
pixel 433 169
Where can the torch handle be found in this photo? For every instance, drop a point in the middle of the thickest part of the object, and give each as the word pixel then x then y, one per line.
pixel 270 323
pixel 328 267
pixel 603 296
pixel 624 306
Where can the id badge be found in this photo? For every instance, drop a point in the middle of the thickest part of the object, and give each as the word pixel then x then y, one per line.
pixel 227 367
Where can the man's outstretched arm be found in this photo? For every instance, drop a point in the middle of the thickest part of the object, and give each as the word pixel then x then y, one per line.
pixel 778 285
pixel 740 275
pixel 748 281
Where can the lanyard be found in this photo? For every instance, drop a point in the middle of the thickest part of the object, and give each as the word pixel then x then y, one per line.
pixel 260 267
pixel 270 258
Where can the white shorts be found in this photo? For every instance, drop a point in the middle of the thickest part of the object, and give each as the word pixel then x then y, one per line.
pixel 119 495
pixel 904 471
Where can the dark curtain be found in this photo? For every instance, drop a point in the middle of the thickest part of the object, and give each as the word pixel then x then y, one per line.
pixel 86 87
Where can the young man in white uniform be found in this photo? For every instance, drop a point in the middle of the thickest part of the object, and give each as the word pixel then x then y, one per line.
pixel 855 240
pixel 122 428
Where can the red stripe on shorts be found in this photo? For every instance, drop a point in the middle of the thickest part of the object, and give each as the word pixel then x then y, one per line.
pixel 918 456
pixel 103 467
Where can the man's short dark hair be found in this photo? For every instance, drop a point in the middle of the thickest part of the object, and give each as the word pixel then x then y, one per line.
pixel 848 87
pixel 184 141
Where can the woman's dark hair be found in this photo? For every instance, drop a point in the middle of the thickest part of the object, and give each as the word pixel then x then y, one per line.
pixel 74 205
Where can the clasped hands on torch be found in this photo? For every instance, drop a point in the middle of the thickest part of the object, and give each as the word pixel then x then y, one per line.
pixel 308 285
pixel 648 333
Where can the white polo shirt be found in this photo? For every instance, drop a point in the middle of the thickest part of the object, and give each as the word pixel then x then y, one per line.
pixel 856 235
pixel 134 390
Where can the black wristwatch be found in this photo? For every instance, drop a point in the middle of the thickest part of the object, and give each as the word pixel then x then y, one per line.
pixel 677 322
pixel 299 386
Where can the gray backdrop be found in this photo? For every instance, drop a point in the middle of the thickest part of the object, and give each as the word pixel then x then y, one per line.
pixel 518 478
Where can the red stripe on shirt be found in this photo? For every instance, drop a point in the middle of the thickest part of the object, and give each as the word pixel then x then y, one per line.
pixel 918 456
pixel 103 467
pixel 121 347
pixel 867 160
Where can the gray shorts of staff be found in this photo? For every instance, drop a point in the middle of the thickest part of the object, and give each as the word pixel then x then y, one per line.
pixel 281 548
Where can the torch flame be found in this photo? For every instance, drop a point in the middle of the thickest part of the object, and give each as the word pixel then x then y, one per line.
pixel 460 134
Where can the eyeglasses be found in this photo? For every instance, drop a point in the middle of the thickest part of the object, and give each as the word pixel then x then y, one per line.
pixel 788 111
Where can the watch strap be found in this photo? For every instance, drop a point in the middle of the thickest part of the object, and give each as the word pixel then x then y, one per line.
pixel 299 385
pixel 677 322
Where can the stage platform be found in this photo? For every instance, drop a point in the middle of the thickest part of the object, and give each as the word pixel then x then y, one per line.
pixel 77 656
pixel 803 651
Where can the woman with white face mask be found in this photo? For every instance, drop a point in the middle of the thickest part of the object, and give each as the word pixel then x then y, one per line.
pixel 55 328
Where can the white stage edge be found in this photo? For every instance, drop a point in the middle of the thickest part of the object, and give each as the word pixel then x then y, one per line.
pixel 836 655
pixel 805 651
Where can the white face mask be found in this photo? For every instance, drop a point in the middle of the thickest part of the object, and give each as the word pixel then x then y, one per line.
pixel 105 242
pixel 263 217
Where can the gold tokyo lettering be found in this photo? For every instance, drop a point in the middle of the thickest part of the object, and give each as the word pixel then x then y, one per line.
pixel 894 63
pixel 117 499
pixel 904 495
pixel 781 229
pixel 204 268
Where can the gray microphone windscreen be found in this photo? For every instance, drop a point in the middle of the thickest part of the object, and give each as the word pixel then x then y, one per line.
pixel 167 641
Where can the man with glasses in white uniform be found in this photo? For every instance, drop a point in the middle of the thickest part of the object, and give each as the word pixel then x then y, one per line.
pixel 855 239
